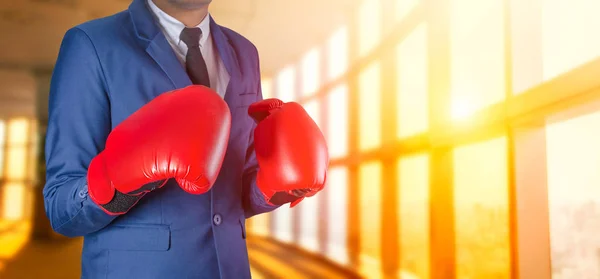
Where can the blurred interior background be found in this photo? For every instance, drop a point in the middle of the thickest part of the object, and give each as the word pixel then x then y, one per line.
pixel 463 135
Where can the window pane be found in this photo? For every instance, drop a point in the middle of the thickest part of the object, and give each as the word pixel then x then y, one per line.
pixel 573 161
pixel 552 37
pixel 313 109
pixel 481 208
pixel 283 223
pixel 413 216
pixel 369 105
pixel 309 220
pixel 13 203
pixel 404 7
pixel 477 55
pixel 286 85
pixel 34 149
pixel 570 34
pixel 337 116
pixel 337 183
pixel 266 85
pixel 526 44
pixel 18 131
pixel 16 167
pixel 413 109
pixel 369 26
pixel 260 224
pixel 370 219
pixel 337 53
pixel 2 146
pixel 311 72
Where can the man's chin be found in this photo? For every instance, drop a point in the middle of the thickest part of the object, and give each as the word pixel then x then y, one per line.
pixel 190 4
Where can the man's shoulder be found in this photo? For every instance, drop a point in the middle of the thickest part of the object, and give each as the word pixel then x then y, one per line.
pixel 100 26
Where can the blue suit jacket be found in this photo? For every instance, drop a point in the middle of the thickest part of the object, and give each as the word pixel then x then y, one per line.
pixel 107 69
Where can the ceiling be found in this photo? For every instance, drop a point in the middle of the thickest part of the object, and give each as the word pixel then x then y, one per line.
pixel 282 30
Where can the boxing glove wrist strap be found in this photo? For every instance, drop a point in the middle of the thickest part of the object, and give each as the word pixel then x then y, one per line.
pixel 277 198
pixel 121 203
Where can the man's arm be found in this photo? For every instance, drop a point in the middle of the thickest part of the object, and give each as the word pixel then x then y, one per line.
pixel 253 199
pixel 78 125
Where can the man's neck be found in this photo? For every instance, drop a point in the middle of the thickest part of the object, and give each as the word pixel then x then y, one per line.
pixel 189 17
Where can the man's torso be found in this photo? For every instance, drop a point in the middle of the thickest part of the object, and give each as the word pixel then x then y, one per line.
pixel 169 233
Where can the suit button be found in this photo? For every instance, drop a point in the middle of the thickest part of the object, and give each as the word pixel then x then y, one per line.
pixel 82 193
pixel 217 219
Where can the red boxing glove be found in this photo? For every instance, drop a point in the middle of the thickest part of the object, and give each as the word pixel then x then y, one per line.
pixel 180 134
pixel 291 152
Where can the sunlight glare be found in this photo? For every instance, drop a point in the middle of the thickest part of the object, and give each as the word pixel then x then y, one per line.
pixel 461 109
pixel 13 240
pixel 370 218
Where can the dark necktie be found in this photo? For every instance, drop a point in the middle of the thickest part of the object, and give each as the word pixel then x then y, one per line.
pixel 194 62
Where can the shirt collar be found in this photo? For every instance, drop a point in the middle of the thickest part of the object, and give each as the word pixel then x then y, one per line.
pixel 173 27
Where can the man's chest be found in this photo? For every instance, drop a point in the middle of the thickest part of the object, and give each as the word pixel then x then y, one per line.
pixel 217 72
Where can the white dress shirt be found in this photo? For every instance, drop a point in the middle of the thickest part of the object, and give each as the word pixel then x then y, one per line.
pixel 171 27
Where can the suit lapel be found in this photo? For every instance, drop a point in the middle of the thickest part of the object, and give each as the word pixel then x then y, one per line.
pixel 156 44
pixel 160 50
pixel 227 54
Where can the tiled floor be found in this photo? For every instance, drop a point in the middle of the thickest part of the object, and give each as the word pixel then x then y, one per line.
pixel 21 258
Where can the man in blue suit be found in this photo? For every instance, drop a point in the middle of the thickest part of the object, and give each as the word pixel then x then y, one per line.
pixel 107 69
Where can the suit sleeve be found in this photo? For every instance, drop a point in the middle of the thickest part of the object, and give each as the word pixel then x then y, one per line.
pixel 253 199
pixel 78 125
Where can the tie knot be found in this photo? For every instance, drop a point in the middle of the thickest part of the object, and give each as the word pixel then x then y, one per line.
pixel 191 36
